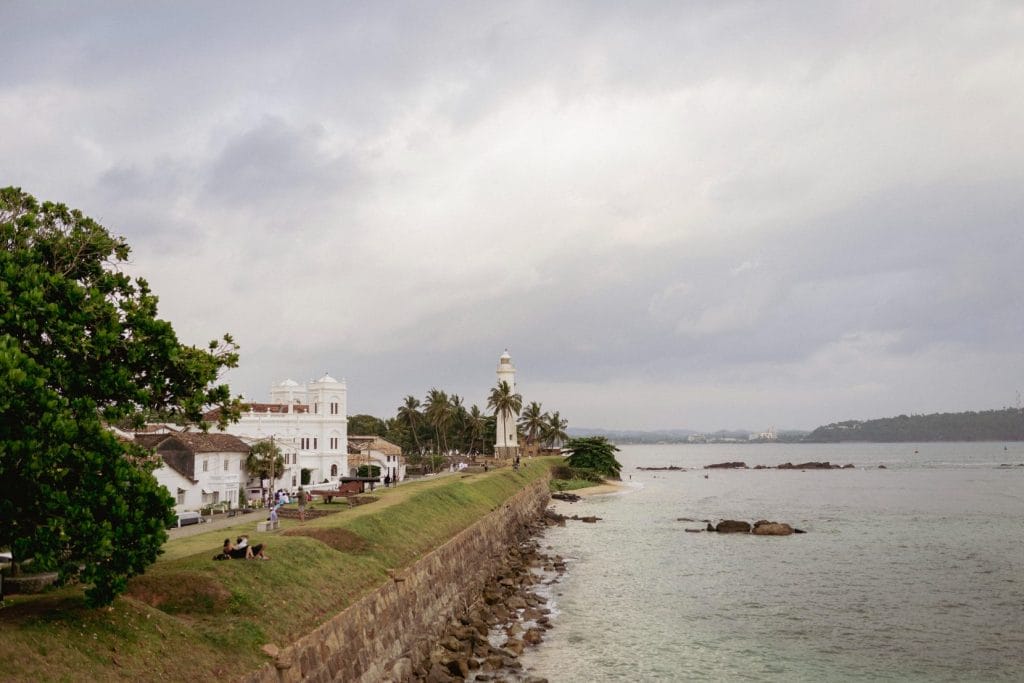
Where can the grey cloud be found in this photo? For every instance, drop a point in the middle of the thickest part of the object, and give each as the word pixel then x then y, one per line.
pixel 638 199
pixel 275 164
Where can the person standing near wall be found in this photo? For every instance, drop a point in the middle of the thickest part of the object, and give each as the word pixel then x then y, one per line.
pixel 303 498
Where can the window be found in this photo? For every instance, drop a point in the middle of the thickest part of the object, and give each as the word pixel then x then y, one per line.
pixel 334 470
pixel 206 465
pixel 216 497
pixel 305 443
pixel 225 464
pixel 334 443
pixel 334 409
pixel 316 408
pixel 314 443
pixel 181 496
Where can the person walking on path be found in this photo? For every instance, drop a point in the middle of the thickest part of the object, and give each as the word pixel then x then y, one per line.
pixel 302 504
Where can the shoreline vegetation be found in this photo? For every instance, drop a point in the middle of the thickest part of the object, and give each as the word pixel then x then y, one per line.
pixel 224 613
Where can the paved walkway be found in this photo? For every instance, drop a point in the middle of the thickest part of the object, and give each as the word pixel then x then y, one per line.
pixel 218 522
pixel 221 521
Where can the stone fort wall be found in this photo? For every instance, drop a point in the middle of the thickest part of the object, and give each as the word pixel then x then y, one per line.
pixel 381 636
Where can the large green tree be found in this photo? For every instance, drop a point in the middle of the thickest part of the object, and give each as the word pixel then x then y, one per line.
pixel 366 425
pixel 81 347
pixel 594 453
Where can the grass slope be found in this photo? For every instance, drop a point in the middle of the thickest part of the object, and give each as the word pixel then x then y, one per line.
pixel 189 617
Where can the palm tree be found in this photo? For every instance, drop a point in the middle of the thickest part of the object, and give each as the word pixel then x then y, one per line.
pixel 477 422
pixel 532 422
pixel 504 402
pixel 410 413
pixel 438 412
pixel 554 431
pixel 265 462
pixel 457 422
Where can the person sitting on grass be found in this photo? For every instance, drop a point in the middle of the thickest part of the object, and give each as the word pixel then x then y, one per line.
pixel 234 552
pixel 252 552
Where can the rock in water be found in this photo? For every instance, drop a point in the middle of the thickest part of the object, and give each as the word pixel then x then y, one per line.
pixel 732 526
pixel 764 528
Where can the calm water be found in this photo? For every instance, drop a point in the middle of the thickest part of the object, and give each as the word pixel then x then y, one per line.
pixel 914 572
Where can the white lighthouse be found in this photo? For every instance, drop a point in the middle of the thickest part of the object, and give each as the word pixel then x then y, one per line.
pixel 506 443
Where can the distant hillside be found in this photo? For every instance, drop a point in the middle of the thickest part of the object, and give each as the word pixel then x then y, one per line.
pixel 988 425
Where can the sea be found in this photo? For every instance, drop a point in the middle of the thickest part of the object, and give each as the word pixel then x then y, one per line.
pixel 911 572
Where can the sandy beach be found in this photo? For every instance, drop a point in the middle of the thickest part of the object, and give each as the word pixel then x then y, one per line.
pixel 602 489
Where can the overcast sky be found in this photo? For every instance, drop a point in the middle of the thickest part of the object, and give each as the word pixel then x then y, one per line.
pixel 689 215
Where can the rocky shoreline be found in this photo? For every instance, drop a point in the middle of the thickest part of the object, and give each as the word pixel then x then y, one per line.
pixel 484 643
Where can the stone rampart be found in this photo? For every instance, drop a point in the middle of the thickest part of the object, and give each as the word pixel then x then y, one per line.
pixel 379 637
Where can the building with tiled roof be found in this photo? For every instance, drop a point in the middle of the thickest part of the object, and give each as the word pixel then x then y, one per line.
pixel 199 469
pixel 375 450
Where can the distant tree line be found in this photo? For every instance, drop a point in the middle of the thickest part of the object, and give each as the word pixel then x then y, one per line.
pixel 441 424
pixel 987 425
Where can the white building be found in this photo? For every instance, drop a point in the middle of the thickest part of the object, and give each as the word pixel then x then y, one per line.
pixel 379 452
pixel 199 469
pixel 308 423
pixel 770 435
pixel 506 443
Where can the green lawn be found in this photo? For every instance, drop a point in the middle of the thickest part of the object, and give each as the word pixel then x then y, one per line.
pixel 189 617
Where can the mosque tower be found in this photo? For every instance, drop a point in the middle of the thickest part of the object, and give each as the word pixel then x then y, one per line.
pixel 506 442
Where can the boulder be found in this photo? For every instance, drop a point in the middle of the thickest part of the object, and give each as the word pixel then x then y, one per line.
pixel 732 526
pixel 533 636
pixel 763 528
pixel 457 666
pixel 514 646
pixel 452 643
pixel 439 674
pixel 808 466
pixel 402 670
pixel 492 663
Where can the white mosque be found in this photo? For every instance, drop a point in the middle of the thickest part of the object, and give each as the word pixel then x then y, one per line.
pixel 308 423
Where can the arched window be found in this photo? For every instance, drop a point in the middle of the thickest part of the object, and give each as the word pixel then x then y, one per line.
pixel 334 470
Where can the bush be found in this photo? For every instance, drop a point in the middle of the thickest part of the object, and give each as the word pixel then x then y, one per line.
pixel 593 453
